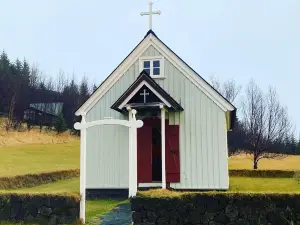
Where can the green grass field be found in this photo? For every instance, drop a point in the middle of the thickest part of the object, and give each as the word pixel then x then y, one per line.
pixel 68 186
pixel 97 208
pixel 34 158
pixel 244 162
pixel 250 184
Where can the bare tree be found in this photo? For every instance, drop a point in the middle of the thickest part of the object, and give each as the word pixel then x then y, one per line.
pixel 35 76
pixel 266 124
pixel 61 81
pixel 229 89
pixel 10 118
pixel 50 84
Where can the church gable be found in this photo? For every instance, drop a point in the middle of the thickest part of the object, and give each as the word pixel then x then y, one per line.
pixel 153 56
pixel 144 96
pixel 145 93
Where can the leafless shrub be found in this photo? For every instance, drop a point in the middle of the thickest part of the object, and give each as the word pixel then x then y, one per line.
pixel 266 124
pixel 229 89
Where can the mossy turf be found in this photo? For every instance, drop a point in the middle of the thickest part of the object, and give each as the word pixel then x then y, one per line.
pixel 237 184
pixel 32 180
pixel 62 186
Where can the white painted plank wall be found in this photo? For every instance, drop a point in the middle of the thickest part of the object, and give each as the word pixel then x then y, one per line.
pixel 203 143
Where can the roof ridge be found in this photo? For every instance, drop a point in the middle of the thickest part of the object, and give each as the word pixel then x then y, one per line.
pixel 150 32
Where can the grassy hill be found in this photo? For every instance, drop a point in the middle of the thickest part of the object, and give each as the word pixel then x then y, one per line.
pixel 34 151
pixel 34 136
pixel 35 158
pixel 243 161
pixel 18 159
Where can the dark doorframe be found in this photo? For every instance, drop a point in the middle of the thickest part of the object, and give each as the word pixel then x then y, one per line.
pixel 156 153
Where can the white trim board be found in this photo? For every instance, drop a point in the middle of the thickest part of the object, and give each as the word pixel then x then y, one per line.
pixel 137 89
pixel 169 55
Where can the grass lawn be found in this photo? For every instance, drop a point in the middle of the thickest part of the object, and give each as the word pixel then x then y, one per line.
pixel 240 184
pixel 244 162
pixel 250 184
pixel 97 208
pixel 61 186
pixel 35 158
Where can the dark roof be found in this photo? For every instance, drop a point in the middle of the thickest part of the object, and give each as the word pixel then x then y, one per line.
pixel 144 76
pixel 52 108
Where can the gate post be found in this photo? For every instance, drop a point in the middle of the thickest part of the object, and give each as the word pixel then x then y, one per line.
pixel 134 152
pixel 82 168
pixel 130 178
pixel 132 125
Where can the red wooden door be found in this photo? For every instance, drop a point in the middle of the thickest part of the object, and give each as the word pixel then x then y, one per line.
pixel 144 154
pixel 172 154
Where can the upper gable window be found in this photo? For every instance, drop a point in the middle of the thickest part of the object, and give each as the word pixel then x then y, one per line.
pixel 153 66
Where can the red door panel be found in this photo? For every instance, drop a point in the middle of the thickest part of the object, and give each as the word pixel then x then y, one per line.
pixel 144 154
pixel 172 153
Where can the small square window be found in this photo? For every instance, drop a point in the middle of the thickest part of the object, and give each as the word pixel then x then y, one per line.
pixel 156 71
pixel 153 66
pixel 148 71
pixel 156 63
pixel 146 64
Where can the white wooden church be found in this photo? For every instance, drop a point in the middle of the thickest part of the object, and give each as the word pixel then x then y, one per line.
pixel 182 142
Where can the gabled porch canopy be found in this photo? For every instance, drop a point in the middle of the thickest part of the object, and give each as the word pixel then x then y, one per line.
pixel 145 93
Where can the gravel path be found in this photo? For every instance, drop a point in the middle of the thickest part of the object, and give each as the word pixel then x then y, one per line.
pixel 121 215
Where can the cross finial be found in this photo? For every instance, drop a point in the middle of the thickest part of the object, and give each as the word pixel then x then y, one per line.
pixel 150 13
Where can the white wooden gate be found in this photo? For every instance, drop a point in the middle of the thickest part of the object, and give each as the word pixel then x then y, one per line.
pixel 132 124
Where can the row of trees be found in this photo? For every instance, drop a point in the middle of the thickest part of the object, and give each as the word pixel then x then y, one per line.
pixel 263 128
pixel 22 84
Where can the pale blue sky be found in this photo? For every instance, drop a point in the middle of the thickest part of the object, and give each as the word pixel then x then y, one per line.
pixel 238 39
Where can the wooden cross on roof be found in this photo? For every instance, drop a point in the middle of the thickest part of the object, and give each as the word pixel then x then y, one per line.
pixel 150 13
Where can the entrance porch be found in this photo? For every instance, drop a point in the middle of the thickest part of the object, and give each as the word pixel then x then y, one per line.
pixel 158 159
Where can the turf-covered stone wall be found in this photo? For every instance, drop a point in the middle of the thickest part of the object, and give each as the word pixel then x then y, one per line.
pixel 262 173
pixel 31 180
pixel 216 209
pixel 39 209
